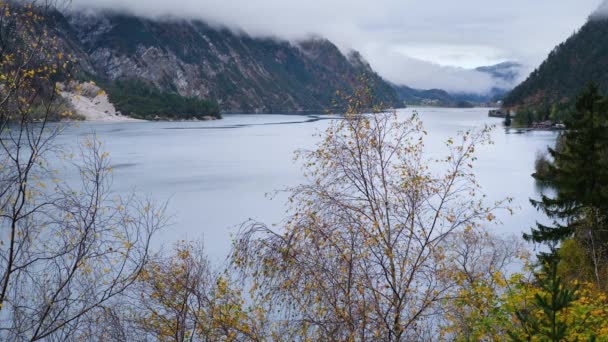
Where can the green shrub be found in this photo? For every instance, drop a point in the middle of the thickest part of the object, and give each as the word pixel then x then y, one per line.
pixel 61 109
pixel 542 166
pixel 141 100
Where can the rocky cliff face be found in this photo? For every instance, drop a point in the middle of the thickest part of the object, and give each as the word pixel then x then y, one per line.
pixel 241 73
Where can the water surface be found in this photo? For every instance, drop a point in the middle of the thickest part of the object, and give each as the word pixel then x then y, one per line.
pixel 217 174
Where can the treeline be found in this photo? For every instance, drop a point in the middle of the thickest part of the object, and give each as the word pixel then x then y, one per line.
pixel 138 99
pixel 526 116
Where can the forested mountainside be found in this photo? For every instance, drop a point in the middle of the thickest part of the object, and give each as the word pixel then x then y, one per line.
pixel 194 59
pixel 570 66
pixel 431 97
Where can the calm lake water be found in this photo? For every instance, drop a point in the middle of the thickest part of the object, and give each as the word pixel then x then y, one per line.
pixel 217 174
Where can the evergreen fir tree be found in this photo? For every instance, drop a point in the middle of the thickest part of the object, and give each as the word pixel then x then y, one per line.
pixel 553 300
pixel 578 174
pixel 508 119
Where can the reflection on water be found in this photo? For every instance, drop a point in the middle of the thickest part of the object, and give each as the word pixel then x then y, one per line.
pixel 217 174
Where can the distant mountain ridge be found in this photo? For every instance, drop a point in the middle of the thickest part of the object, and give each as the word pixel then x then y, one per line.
pixel 569 67
pixel 508 72
pixel 505 74
pixel 193 59
pixel 431 97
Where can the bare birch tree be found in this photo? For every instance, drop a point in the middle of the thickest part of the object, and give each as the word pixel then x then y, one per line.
pixel 66 247
pixel 362 257
pixel 181 297
pixel 486 267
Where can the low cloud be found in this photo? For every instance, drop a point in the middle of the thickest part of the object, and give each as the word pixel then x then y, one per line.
pixel 601 12
pixel 401 69
pixel 424 44
pixel 397 66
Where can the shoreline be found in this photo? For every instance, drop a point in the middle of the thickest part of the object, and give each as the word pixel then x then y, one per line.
pixel 127 119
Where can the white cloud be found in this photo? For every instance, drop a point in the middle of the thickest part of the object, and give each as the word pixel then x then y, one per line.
pixel 421 43
pixel 402 69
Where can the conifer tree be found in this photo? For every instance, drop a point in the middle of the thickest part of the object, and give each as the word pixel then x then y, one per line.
pixel 578 174
pixel 553 299
pixel 508 120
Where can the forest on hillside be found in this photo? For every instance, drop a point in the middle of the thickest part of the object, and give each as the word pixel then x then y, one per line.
pixel 581 59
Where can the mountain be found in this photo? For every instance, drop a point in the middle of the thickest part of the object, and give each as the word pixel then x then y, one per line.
pixel 505 75
pixel 506 72
pixel 569 67
pixel 432 97
pixel 190 58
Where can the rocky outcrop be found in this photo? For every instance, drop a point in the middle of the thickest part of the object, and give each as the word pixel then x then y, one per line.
pixel 91 102
pixel 193 59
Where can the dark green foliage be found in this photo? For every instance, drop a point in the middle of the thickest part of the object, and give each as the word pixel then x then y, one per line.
pixel 464 104
pixel 436 97
pixel 555 298
pixel 578 173
pixel 508 119
pixel 126 33
pixel 542 167
pixel 566 71
pixel 525 117
pixel 138 99
pixel 556 113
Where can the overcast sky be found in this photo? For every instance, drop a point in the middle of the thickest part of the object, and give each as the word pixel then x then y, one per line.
pixel 421 43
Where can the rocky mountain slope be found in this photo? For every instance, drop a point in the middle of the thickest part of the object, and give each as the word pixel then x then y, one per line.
pixel 569 67
pixel 193 59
